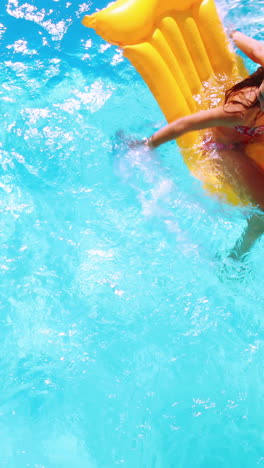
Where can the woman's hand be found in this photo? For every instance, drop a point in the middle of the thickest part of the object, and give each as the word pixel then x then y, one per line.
pixel 133 143
pixel 230 31
pixel 251 47
pixel 146 143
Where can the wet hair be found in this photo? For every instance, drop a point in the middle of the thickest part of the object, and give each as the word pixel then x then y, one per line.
pixel 254 80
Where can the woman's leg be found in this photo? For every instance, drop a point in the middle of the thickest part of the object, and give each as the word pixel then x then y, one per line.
pixel 244 175
pixel 252 233
pixel 249 180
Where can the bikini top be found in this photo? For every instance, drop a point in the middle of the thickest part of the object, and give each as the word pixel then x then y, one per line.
pixel 250 131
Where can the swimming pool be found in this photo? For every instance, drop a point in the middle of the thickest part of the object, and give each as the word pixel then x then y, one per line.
pixel 128 337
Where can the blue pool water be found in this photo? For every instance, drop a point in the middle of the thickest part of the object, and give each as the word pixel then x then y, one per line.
pixel 127 337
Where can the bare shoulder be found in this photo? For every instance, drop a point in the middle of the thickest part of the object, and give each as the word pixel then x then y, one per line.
pixel 242 99
pixel 242 104
pixel 230 114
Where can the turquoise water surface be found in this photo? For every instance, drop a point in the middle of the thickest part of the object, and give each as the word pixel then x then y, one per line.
pixel 127 335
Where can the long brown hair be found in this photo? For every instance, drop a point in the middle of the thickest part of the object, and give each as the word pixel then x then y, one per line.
pixel 251 81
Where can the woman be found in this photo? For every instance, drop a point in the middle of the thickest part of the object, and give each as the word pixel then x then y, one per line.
pixel 243 106
pixel 235 124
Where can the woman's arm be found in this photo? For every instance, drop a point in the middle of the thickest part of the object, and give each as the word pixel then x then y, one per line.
pixel 251 47
pixel 217 117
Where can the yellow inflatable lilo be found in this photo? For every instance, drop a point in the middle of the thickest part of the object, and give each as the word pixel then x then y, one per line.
pixel 182 52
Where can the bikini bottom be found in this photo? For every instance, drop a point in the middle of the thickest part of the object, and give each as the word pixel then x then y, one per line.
pixel 210 145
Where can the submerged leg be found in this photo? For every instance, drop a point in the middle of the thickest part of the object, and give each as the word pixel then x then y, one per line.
pixel 252 233
pixel 247 179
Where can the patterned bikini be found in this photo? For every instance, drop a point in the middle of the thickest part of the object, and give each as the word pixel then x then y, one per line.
pixel 249 131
